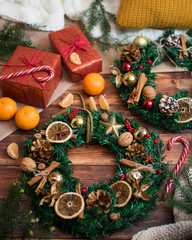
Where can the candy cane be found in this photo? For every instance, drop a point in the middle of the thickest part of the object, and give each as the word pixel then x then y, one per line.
pixel 182 159
pixel 32 70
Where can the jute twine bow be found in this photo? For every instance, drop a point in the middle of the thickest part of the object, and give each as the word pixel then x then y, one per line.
pixel 41 173
pixel 143 167
pixel 89 118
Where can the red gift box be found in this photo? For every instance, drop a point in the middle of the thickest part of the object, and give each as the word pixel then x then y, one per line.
pixel 70 40
pixel 25 88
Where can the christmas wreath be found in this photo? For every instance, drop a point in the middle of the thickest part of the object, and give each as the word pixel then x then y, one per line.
pixel 133 78
pixel 56 194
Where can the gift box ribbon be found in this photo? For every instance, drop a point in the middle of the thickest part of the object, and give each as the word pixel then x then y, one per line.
pixel 76 45
pixel 31 68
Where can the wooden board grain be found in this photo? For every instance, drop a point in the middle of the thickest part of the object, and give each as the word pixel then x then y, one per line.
pixel 93 162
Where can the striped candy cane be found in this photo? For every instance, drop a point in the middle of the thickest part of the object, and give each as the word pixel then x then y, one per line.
pixel 32 70
pixel 182 159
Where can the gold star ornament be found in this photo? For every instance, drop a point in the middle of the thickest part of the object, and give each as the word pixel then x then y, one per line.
pixel 112 126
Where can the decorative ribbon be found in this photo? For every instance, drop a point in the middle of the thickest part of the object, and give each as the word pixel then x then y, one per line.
pixel 41 173
pixel 138 167
pixel 31 68
pixel 182 159
pixel 76 45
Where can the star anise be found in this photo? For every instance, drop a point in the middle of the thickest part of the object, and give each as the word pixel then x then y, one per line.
pixel 148 158
pixel 134 93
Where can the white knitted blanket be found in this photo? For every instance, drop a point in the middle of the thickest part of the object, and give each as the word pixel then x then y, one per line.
pixel 50 15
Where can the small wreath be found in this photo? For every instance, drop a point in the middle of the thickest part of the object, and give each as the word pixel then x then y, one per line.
pixel 135 81
pixel 108 206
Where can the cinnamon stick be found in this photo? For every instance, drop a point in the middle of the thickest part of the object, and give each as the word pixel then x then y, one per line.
pixel 183 53
pixel 134 98
pixel 41 185
pixel 35 179
pixel 78 190
pixel 132 164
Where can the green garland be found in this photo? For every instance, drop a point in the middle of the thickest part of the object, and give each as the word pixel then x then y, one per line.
pixel 93 223
pixel 153 53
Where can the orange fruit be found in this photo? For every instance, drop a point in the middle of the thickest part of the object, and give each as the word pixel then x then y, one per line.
pixel 103 103
pixel 93 84
pixel 92 104
pixel 8 108
pixel 75 59
pixel 66 101
pixel 27 118
pixel 13 151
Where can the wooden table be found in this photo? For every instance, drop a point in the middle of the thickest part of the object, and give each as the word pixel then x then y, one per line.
pixel 92 163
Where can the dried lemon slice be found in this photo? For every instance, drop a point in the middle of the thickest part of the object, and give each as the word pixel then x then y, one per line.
pixel 69 205
pixel 185 110
pixel 123 192
pixel 58 132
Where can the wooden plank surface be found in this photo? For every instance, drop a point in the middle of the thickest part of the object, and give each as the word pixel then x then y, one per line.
pixel 92 163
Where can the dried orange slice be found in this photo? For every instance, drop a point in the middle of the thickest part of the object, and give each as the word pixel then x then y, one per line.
pixel 13 151
pixel 103 103
pixel 66 101
pixel 92 104
pixel 75 59
pixel 123 192
pixel 185 110
pixel 69 205
pixel 58 132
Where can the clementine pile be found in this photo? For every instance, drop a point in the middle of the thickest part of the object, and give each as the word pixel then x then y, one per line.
pixel 8 108
pixel 93 84
pixel 27 118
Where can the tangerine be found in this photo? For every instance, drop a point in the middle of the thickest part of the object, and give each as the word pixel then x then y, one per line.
pixel 27 118
pixel 8 108
pixel 66 101
pixel 93 84
pixel 75 59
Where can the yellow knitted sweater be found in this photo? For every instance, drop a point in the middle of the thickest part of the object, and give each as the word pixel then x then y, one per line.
pixel 155 13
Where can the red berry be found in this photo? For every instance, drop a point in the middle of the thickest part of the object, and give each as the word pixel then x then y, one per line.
pixel 155 141
pixel 122 176
pixel 159 171
pixel 149 61
pixel 147 135
pixel 83 190
pixel 140 67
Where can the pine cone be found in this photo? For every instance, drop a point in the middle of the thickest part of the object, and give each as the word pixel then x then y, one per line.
pixel 172 40
pixel 131 54
pixel 41 151
pixel 134 149
pixel 168 105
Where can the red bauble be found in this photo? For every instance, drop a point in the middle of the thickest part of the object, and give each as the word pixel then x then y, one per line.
pixel 147 135
pixel 147 104
pixel 155 141
pixel 149 61
pixel 159 171
pixel 140 67
pixel 83 190
pixel 122 176
pixel 127 67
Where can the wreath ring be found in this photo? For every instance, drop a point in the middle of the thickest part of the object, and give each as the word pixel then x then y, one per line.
pixel 103 216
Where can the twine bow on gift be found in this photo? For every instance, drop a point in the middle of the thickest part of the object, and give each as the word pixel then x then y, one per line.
pixel 76 45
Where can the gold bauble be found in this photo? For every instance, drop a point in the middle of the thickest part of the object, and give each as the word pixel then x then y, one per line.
pixel 77 122
pixel 141 41
pixel 55 176
pixel 129 79
pixel 140 133
pixel 133 176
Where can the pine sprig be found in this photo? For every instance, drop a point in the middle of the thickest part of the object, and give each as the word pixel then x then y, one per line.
pixel 13 35
pixel 97 16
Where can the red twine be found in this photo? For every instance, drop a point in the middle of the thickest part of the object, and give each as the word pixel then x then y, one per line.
pixel 76 45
